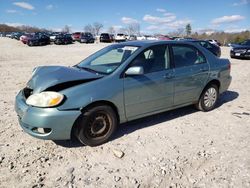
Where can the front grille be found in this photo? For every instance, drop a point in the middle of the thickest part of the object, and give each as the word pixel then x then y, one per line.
pixel 27 92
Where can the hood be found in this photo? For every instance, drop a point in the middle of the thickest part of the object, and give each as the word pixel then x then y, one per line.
pixel 238 46
pixel 56 78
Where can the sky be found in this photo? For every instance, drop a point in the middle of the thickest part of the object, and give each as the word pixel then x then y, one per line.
pixel 154 16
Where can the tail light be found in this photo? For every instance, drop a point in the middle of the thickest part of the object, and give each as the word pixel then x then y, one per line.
pixel 229 66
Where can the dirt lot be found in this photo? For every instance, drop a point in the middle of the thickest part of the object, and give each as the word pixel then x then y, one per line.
pixel 180 148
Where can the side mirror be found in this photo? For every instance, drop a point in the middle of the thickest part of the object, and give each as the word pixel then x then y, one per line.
pixel 133 71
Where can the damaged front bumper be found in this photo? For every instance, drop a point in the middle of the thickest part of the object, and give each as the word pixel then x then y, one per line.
pixel 45 123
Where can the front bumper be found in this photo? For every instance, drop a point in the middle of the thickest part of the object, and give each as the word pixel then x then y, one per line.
pixel 56 124
pixel 240 54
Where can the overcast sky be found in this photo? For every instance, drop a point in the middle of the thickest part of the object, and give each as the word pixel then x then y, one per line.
pixel 154 16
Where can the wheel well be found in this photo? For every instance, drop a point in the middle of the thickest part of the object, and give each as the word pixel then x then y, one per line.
pixel 216 82
pixel 94 104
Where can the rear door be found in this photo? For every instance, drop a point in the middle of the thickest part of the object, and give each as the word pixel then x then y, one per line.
pixel 152 91
pixel 191 73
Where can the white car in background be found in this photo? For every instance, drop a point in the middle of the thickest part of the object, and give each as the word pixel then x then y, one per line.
pixel 149 37
pixel 212 41
pixel 141 37
pixel 120 37
pixel 53 36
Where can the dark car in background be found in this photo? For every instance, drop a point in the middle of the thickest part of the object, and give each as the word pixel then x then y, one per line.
pixel 16 35
pixel 63 39
pixel 38 40
pixel 215 49
pixel 106 37
pixel 241 50
pixel 86 37
pixel 76 36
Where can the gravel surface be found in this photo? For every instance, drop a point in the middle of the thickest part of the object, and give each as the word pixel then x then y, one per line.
pixel 180 148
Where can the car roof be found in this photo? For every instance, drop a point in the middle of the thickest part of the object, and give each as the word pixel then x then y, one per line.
pixel 155 42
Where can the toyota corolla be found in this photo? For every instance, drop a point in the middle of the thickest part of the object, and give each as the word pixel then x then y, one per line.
pixel 117 84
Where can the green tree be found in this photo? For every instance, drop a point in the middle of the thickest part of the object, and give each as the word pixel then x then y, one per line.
pixel 188 29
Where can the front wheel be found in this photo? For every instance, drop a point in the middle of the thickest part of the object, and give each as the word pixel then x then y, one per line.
pixel 208 98
pixel 96 125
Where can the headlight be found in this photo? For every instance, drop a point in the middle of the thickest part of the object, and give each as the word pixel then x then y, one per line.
pixel 45 99
pixel 248 50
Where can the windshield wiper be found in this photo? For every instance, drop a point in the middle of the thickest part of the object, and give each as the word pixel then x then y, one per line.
pixel 89 69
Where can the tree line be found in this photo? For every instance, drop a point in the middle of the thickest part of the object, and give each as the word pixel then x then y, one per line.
pixel 134 29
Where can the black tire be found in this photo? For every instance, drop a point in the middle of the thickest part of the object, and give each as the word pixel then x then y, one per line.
pixel 96 125
pixel 208 98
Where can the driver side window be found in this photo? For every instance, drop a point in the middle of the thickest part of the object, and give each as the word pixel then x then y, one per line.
pixel 153 59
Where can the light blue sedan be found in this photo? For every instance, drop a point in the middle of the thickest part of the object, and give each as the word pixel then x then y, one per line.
pixel 119 83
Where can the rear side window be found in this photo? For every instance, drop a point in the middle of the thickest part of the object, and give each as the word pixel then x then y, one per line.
pixel 185 55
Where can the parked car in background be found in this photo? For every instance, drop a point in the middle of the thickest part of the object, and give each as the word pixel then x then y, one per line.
pixel 141 37
pixel 241 50
pixel 24 38
pixel 8 35
pixel 150 37
pixel 132 37
pixel 106 37
pixel 86 37
pixel 119 83
pixel 38 40
pixel 76 36
pixel 120 37
pixel 212 41
pixel 16 35
pixel 63 39
pixel 216 50
pixel 163 37
pixel 53 35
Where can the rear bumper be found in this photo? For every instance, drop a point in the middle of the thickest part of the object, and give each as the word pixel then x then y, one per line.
pixel 226 83
pixel 57 124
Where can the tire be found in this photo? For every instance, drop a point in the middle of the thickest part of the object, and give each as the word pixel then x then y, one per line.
pixel 30 43
pixel 208 98
pixel 96 125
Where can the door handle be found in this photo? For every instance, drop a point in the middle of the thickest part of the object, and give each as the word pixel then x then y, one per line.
pixel 169 76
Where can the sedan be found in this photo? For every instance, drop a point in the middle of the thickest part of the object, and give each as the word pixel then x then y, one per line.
pixel 241 50
pixel 211 47
pixel 117 84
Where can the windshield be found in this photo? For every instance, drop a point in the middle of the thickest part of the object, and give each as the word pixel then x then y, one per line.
pixel 108 59
pixel 247 42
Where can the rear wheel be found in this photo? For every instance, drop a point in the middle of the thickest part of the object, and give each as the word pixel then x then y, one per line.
pixel 208 98
pixel 96 125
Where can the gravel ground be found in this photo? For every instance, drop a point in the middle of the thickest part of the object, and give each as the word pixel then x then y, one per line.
pixel 180 148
